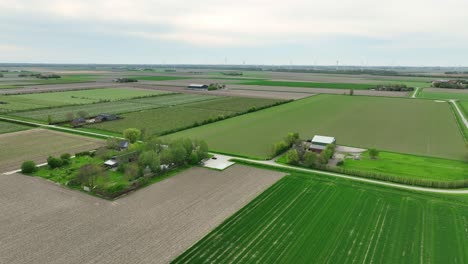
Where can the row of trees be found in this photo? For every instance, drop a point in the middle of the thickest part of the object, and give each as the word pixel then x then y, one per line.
pixel 40 75
pixel 452 84
pixel 53 162
pixel 125 80
pixel 282 146
pixel 216 86
pixel 394 87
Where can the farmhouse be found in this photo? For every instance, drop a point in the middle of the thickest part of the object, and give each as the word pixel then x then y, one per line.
pixel 123 145
pixel 197 86
pixel 78 122
pixel 105 117
pixel 319 143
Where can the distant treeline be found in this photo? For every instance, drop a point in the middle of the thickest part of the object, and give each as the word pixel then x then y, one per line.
pixel 394 88
pixel 40 75
pixel 451 84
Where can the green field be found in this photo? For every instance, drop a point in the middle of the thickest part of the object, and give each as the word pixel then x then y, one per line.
pixel 401 125
pixel 356 86
pixel 234 104
pixel 59 114
pixel 304 218
pixel 6 127
pixel 161 120
pixel 410 166
pixel 41 100
pixel 443 96
pixel 464 107
pixel 158 78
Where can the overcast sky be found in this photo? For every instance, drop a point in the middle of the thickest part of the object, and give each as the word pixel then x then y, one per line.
pixel 353 32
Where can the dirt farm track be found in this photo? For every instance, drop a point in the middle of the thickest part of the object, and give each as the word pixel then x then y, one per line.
pixel 41 222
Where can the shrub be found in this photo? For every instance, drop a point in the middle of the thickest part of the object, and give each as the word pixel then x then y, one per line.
pixel 292 157
pixel 84 153
pixel 310 159
pixel 28 167
pixel 65 157
pixel 54 162
pixel 373 153
pixel 132 134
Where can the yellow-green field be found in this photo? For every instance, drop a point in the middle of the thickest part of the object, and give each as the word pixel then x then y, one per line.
pixel 402 125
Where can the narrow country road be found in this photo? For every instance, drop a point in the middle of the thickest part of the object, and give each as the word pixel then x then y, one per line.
pixel 272 163
pixel 415 92
pixel 344 176
pixel 460 113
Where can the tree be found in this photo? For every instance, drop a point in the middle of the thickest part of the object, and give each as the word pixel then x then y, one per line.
pixel 150 159
pixel 54 162
pixel 351 92
pixel 132 134
pixel 131 171
pixel 28 167
pixel 310 159
pixel 202 149
pixel 66 158
pixel 292 157
pixel 194 159
pixel 155 144
pixel 279 147
pixel 179 155
pixel 291 138
pixel 112 143
pixel 88 174
pixel 373 153
pixel 82 114
pixel 166 157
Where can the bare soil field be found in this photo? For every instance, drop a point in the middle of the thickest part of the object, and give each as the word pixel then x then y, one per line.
pixel 45 223
pixel 443 90
pixel 227 92
pixel 260 89
pixel 38 144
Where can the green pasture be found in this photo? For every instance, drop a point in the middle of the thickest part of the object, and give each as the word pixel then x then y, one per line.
pixel 396 124
pixel 443 96
pixel 305 218
pixel 410 166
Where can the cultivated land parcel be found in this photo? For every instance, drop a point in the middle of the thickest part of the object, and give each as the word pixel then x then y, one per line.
pixel 305 219
pixel 42 100
pixel 402 125
pixel 38 144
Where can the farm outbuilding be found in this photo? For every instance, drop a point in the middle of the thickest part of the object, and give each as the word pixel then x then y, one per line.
pixel 319 143
pixel 105 117
pixel 197 86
